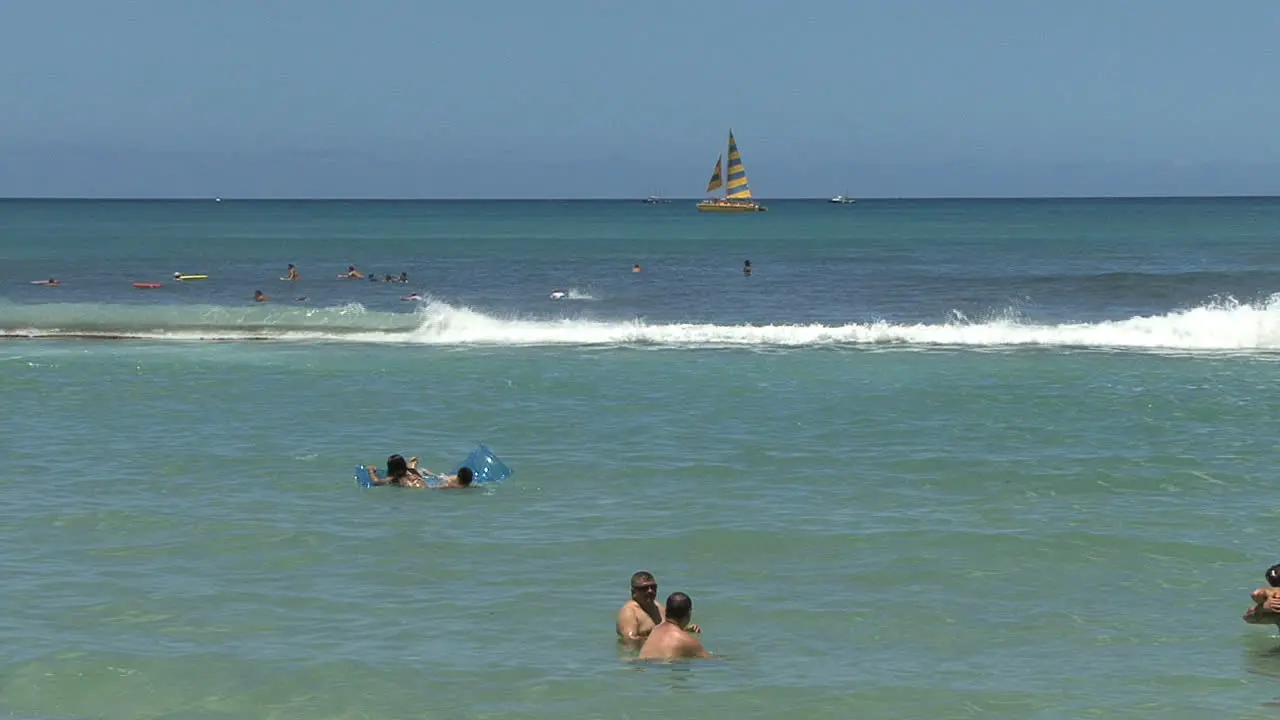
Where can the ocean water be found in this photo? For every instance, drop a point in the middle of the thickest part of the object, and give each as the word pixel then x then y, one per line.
pixel 931 459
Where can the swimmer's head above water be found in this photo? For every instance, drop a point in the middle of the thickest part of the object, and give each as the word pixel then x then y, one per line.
pixel 465 476
pixel 644 585
pixel 396 466
pixel 679 608
pixel 1273 575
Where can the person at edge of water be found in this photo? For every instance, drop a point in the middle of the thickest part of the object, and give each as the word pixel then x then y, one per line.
pixel 635 268
pixel 352 273
pixel 293 273
pixel 746 267
pixel 1266 607
pixel 672 639
pixel 259 297
pixel 641 613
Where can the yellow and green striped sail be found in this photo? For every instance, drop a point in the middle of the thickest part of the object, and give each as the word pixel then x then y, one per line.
pixel 738 188
pixel 715 176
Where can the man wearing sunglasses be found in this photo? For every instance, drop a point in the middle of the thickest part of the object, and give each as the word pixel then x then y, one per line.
pixel 640 614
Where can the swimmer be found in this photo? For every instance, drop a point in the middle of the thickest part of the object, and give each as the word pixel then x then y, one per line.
pixel 635 268
pixel 388 279
pixel 1266 608
pixel 412 296
pixel 461 481
pixel 304 298
pixel 293 273
pixel 639 615
pixel 672 639
pixel 400 473
pixel 404 277
pixel 177 276
pixel 559 295
pixel 351 273
pixel 746 267
pixel 259 297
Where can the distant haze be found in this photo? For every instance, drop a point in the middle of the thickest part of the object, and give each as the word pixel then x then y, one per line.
pixel 579 98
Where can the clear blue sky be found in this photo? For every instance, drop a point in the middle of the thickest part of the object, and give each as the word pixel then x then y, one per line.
pixel 622 98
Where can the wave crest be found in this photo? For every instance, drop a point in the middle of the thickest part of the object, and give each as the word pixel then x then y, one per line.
pixel 1222 325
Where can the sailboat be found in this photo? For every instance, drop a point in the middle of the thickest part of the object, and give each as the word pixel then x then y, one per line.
pixel 737 193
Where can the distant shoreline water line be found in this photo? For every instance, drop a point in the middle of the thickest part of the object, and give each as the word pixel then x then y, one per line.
pixel 870 199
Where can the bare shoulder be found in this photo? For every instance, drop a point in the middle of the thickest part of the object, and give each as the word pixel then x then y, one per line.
pixel 691 644
pixel 626 616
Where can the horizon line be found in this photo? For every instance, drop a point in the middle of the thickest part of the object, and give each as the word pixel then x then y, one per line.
pixel 632 199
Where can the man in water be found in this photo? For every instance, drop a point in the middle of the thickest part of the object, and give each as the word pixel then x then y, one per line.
pixel 639 615
pixel 1266 608
pixel 462 480
pixel 671 639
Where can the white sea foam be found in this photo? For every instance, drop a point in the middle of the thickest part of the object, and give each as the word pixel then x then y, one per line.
pixel 1219 326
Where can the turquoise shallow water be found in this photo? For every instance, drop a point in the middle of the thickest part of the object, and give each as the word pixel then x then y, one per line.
pixel 1037 515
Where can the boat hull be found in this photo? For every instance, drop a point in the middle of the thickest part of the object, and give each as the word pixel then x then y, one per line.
pixel 714 206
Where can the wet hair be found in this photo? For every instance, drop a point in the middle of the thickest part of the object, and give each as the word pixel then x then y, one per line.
pixel 396 466
pixel 641 577
pixel 746 263
pixel 465 476
pixel 679 606
pixel 1273 575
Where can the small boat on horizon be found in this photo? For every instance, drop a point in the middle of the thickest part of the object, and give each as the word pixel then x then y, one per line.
pixel 737 193
pixel 842 200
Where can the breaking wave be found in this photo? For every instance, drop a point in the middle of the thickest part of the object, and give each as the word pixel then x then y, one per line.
pixel 1223 325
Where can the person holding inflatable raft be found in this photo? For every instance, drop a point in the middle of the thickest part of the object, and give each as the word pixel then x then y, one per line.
pixel 480 467
pixel 407 475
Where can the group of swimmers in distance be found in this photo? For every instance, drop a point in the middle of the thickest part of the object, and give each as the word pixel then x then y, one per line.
pixel 351 274
pixel 659 633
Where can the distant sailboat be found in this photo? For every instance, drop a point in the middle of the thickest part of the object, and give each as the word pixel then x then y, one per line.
pixel 737 194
